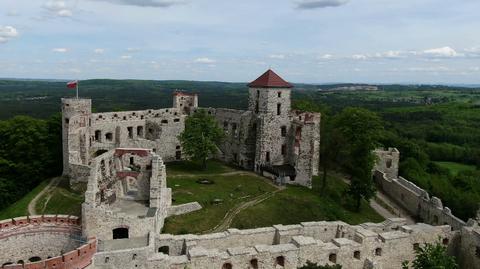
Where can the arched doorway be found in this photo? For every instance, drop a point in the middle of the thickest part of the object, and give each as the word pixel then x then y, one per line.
pixel 120 233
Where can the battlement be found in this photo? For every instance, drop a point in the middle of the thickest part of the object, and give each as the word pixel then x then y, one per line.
pixel 78 258
pixel 289 246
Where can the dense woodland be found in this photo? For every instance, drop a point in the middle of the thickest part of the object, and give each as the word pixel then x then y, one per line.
pixel 436 128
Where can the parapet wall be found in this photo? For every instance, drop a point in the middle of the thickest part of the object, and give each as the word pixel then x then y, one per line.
pixel 417 201
pixel 26 239
pixel 287 246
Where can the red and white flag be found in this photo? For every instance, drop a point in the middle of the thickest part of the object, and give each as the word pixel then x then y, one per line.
pixel 72 84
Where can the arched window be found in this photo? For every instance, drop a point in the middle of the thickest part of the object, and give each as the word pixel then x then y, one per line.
pixel 280 260
pixel 332 257
pixel 254 263
pixel 35 259
pixel 120 233
pixel 356 254
pixel 227 265
pixel 164 250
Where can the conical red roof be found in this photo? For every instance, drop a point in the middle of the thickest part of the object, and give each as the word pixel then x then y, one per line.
pixel 269 79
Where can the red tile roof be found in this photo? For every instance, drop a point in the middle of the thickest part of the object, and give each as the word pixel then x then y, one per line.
pixel 269 79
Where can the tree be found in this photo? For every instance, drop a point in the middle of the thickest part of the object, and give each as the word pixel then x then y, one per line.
pixel 432 256
pixel 201 136
pixel 311 265
pixel 359 131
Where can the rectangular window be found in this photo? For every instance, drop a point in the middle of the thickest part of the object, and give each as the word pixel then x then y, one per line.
pixel 279 109
pixel 140 131
pixel 284 150
pixel 130 132
pixel 284 131
pixel 279 94
pixel 267 157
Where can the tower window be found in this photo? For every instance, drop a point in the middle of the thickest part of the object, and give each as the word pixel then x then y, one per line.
pixel 279 94
pixel 279 108
pixel 267 156
pixel 284 150
pixel 130 132
pixel 284 131
pixel 67 120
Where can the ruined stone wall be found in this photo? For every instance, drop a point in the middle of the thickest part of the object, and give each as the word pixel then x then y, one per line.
pixel 37 236
pixel 414 199
pixel 288 246
pixel 185 102
pixel 238 146
pixel 469 251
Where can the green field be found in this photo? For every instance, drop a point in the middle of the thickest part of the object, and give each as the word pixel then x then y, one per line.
pixel 298 204
pixel 229 190
pixel 291 205
pixel 456 168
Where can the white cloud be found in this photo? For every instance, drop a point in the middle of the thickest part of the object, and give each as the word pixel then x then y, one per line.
pixel 60 50
pixel 58 8
pixel 12 13
pixel 391 54
pixel 133 49
pixel 7 33
pixel 145 3
pixel 277 56
pixel 359 57
pixel 442 52
pixel 99 51
pixel 313 4
pixel 326 56
pixel 126 57
pixel 205 60
pixel 429 69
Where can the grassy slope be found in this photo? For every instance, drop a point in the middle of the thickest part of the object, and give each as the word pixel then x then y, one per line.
pixel 20 208
pixel 61 200
pixel 292 205
pixel 298 204
pixel 232 190
pixel 456 168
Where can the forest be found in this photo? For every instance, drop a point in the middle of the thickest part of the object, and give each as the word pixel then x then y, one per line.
pixel 436 128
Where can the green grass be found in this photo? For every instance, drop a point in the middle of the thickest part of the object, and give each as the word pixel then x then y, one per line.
pixel 182 168
pixel 298 204
pixel 456 168
pixel 20 208
pixel 232 190
pixel 61 200
pixel 292 205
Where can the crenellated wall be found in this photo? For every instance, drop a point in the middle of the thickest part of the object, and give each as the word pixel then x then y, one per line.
pixel 288 245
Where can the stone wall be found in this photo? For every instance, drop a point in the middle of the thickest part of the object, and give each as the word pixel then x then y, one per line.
pixel 287 246
pixel 38 236
pixel 414 199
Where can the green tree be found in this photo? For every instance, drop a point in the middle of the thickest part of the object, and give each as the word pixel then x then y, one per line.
pixel 359 130
pixel 432 256
pixel 201 136
pixel 311 265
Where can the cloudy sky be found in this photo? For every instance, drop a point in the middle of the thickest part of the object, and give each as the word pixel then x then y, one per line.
pixel 314 41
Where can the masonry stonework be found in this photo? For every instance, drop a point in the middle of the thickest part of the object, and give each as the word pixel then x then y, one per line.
pixel 120 157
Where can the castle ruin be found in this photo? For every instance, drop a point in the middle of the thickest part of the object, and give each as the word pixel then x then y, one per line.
pixel 120 156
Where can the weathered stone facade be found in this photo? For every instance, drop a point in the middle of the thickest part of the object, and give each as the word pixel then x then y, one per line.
pixel 268 138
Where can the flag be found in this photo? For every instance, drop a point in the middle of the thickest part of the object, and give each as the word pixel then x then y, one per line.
pixel 72 84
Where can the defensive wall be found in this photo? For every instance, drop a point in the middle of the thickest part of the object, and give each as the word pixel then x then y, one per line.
pixel 47 241
pixel 384 245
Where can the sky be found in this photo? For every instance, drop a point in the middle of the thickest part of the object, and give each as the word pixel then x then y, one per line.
pixel 309 41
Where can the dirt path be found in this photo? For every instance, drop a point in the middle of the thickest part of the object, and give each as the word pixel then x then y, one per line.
pixel 227 220
pixel 31 206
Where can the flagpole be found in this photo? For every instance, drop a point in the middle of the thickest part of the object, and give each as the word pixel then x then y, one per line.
pixel 77 89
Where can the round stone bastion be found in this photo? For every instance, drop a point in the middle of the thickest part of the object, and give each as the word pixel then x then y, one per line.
pixel 47 241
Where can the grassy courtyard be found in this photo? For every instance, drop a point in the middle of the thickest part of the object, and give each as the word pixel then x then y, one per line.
pixel 60 200
pixel 290 205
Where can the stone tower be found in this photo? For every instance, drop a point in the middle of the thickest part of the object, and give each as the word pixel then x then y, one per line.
pixel 185 102
pixel 75 116
pixel 269 101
